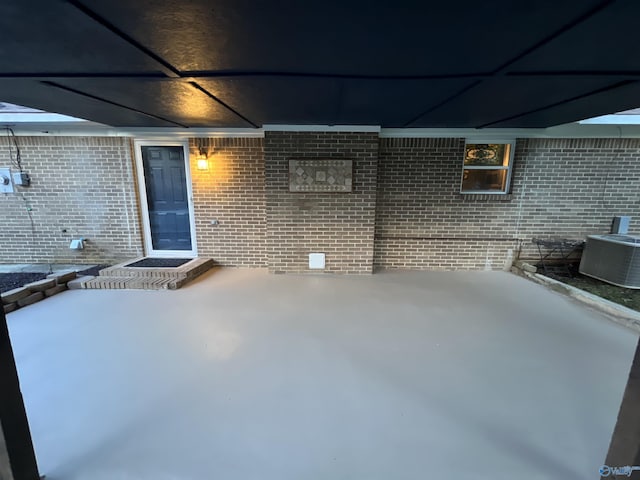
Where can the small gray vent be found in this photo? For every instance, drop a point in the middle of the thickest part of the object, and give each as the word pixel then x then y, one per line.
pixel 612 258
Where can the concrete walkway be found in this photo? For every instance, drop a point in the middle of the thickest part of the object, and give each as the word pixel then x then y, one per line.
pixel 244 375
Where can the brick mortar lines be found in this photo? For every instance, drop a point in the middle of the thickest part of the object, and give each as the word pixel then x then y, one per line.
pixel 560 188
pixel 341 225
pixel 81 184
pixel 231 191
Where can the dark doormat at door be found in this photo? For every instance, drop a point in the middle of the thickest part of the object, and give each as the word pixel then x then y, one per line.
pixel 159 262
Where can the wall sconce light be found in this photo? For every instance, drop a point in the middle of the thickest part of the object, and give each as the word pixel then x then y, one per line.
pixel 203 152
pixel 202 160
pixel 203 164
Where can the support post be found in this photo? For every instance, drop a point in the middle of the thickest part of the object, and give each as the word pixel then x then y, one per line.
pixel 624 449
pixel 17 458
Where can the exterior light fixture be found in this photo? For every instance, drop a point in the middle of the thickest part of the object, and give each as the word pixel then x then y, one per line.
pixel 202 159
pixel 203 164
pixel 203 150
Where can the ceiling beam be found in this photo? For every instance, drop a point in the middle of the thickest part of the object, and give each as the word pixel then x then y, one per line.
pixel 562 102
pixel 443 102
pixel 115 104
pixel 46 75
pixel 565 28
pixel 500 71
pixel 197 86
pixel 190 76
pixel 166 67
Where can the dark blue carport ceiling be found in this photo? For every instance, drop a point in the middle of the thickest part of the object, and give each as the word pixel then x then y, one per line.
pixel 240 63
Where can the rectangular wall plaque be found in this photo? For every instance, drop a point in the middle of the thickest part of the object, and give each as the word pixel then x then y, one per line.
pixel 320 175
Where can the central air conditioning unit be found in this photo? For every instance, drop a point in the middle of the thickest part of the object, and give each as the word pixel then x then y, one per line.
pixel 613 259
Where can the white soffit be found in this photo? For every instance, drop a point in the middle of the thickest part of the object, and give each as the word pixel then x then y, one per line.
pixel 322 128
pixel 570 130
pixel 90 129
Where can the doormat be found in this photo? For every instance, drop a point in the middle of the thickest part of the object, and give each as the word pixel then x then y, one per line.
pixel 159 262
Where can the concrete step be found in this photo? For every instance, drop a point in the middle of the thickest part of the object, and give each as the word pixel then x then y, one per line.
pixel 191 269
pixel 122 276
pixel 79 283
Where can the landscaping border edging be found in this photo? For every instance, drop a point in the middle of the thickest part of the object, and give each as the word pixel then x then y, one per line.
pixel 616 312
pixel 35 291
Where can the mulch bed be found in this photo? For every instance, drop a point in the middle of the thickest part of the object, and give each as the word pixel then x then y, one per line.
pixel 627 297
pixel 9 281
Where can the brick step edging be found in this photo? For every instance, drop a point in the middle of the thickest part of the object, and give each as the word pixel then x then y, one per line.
pixel 35 291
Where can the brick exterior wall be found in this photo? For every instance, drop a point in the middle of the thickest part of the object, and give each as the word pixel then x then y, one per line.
pixel 574 187
pixel 231 191
pixel 81 187
pixel 341 225
pixel 564 188
pixel 405 210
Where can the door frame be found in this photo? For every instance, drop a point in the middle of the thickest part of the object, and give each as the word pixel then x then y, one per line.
pixel 144 206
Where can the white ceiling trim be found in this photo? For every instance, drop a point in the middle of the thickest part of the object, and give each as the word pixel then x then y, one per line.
pixel 570 130
pixel 90 129
pixel 322 128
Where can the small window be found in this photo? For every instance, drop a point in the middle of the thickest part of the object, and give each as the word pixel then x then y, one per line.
pixel 487 167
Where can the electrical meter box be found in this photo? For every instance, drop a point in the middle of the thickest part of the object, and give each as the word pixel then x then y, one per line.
pixel 22 179
pixel 6 183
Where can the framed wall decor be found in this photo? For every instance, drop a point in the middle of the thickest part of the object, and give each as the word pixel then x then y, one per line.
pixel 320 175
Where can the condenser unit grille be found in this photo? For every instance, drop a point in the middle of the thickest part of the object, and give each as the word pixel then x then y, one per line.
pixel 612 258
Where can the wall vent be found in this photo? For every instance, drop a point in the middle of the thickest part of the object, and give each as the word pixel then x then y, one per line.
pixel 316 261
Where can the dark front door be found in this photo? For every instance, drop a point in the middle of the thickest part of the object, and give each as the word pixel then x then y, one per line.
pixel 167 197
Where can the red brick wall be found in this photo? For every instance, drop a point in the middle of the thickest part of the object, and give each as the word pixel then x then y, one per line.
pixel 341 225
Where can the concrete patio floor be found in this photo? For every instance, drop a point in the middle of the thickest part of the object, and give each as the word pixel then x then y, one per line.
pixel 244 375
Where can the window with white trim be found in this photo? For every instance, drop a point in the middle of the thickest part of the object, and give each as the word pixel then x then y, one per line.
pixel 486 167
